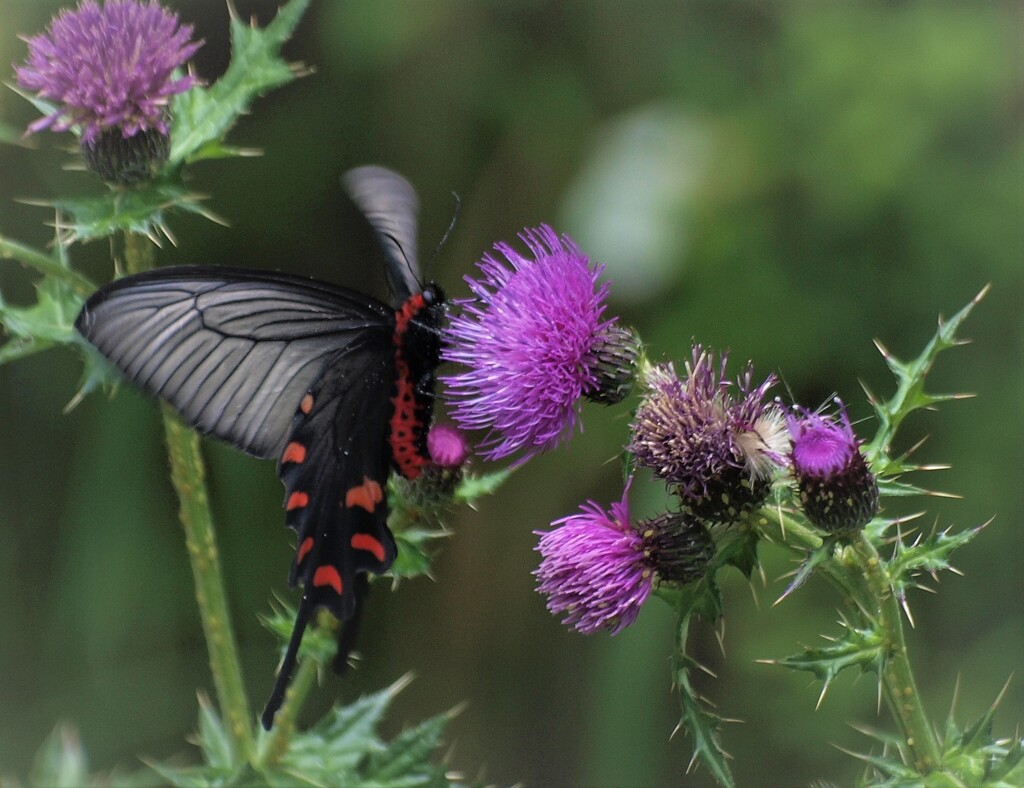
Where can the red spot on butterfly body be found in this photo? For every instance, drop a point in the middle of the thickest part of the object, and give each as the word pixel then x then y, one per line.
pixel 296 500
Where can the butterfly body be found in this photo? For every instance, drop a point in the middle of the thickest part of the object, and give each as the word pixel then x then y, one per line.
pixel 333 384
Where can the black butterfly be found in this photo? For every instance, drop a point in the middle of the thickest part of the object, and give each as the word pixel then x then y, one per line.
pixel 332 383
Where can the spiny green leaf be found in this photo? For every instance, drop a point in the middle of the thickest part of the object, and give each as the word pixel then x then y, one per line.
pixel 814 558
pixel 406 760
pixel 930 554
pixel 738 548
pixel 213 737
pixel 702 598
pixel 856 647
pixel 910 394
pixel 891 488
pixel 142 211
pixel 335 747
pixel 202 116
pixel 54 265
pixel 413 558
pixel 700 723
pixel 194 776
pixel 475 486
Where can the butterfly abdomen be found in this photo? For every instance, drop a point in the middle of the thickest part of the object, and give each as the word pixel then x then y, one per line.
pixel 417 354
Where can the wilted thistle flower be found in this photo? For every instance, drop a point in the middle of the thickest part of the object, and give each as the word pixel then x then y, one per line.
pixel 534 340
pixel 838 491
pixel 598 568
pixel 717 445
pixel 110 70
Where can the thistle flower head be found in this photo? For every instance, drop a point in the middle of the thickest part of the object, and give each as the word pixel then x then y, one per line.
pixel 531 340
pixel 837 490
pixel 716 443
pixel 108 67
pixel 447 446
pixel 592 568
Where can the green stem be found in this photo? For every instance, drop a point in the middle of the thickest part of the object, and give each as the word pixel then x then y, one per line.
pixel 188 476
pixel 897 678
pixel 859 574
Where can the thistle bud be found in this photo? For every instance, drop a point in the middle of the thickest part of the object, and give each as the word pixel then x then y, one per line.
pixel 837 490
pixel 614 366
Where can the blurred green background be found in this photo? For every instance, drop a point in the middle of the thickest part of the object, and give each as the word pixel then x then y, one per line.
pixel 786 180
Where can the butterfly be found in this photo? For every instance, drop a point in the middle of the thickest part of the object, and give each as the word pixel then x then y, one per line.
pixel 332 383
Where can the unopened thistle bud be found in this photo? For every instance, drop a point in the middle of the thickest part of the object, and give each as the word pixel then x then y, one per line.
pixel 614 366
pixel 837 490
pixel 678 548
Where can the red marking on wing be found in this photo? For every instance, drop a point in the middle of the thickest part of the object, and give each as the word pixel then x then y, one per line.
pixel 296 501
pixel 294 452
pixel 304 548
pixel 367 495
pixel 369 543
pixel 307 404
pixel 327 575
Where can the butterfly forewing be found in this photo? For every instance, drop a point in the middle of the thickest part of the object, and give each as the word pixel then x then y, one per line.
pixel 232 350
pixel 390 205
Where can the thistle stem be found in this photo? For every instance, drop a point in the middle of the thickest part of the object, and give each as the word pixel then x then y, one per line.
pixel 860 575
pixel 897 678
pixel 188 475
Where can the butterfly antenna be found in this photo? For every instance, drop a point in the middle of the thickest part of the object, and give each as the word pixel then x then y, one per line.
pixel 447 233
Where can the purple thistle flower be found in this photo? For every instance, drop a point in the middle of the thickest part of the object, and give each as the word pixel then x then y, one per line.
pixel 447 446
pixel 533 341
pixel 838 491
pixel 108 67
pixel 718 448
pixel 592 568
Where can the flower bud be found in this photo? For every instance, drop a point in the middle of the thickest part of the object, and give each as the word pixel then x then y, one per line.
pixel 837 490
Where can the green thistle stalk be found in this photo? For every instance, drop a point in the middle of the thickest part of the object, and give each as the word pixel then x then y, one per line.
pixel 188 475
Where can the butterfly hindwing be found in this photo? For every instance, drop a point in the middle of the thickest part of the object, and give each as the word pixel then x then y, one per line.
pixel 334 468
pixel 232 350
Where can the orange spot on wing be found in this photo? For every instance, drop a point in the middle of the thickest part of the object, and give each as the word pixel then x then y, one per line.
pixel 296 501
pixel 367 495
pixel 367 542
pixel 294 452
pixel 307 404
pixel 327 575
pixel 304 548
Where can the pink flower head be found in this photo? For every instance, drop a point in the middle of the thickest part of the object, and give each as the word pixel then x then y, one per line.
pixel 530 341
pixel 107 67
pixel 592 568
